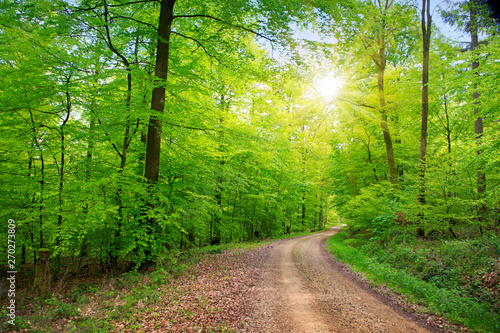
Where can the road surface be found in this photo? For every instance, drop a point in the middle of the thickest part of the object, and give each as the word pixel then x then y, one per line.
pixel 304 290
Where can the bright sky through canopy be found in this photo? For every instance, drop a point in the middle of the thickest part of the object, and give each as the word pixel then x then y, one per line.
pixel 329 85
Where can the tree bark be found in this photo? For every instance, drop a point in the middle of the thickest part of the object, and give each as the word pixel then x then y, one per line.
pixel 40 283
pixel 152 167
pixel 62 170
pixel 380 60
pixel 426 32
pixel 478 123
pixel 380 63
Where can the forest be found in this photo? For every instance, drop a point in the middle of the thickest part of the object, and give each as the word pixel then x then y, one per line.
pixel 132 130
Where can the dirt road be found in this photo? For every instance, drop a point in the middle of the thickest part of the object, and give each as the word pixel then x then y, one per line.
pixel 303 290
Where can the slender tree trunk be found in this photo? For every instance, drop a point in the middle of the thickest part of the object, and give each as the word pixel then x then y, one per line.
pixel 276 204
pixel 30 218
pixel 381 64
pixel 450 171
pixel 42 178
pixel 478 124
pixel 426 32
pixel 115 246
pixel 62 170
pixel 216 239
pixel 60 198
pixel 42 188
pixel 369 159
pixel 224 107
pixel 88 167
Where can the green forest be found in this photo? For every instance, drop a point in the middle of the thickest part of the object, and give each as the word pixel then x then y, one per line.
pixel 131 131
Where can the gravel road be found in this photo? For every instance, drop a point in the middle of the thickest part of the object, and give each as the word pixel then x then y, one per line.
pixel 303 289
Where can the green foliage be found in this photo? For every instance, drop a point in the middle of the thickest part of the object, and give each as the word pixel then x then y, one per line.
pixel 373 211
pixel 236 163
pixel 248 150
pixel 435 287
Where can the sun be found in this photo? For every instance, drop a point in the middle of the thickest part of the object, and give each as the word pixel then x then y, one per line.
pixel 329 86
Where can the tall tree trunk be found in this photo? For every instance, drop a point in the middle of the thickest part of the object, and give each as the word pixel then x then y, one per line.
pixel 369 158
pixel 478 124
pixel 60 197
pixel 426 32
pixel 216 237
pixel 224 107
pixel 42 177
pixel 380 63
pixel 450 171
pixel 42 188
pixel 277 198
pixel 152 167
pixel 62 170
pixel 88 167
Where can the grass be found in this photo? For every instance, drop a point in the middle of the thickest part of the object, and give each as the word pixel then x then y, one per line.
pixel 436 289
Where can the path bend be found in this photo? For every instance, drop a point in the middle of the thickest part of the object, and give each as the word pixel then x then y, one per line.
pixel 304 290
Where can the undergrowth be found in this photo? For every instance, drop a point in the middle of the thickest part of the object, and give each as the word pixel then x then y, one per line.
pixel 457 279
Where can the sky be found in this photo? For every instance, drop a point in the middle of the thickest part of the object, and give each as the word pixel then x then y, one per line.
pixel 328 84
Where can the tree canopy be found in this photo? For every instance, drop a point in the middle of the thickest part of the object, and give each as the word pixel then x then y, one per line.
pixel 131 129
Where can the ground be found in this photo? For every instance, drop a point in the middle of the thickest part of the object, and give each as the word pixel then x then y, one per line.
pixel 289 285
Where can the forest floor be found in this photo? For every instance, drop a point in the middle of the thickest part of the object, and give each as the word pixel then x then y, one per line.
pixel 289 285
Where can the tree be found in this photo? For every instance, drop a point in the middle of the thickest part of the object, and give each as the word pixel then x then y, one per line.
pixel 470 16
pixel 426 25
pixel 385 40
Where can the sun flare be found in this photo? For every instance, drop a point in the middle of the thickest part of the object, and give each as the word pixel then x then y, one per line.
pixel 329 86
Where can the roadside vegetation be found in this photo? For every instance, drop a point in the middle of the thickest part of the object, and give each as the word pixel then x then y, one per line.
pixel 456 276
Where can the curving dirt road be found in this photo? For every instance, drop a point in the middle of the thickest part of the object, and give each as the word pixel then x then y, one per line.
pixel 303 290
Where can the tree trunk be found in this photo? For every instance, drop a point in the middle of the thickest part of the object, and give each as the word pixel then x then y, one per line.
pixel 381 63
pixel 426 32
pixel 478 124
pixel 216 238
pixel 369 159
pixel 42 188
pixel 41 274
pixel 42 178
pixel 152 167
pixel 62 170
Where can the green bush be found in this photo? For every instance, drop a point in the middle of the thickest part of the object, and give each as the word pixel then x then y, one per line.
pixel 373 211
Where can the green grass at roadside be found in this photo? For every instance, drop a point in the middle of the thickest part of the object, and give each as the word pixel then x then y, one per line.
pixel 448 303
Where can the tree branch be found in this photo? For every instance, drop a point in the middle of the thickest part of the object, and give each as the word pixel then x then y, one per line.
pixel 135 20
pixel 199 44
pixel 108 35
pixel 222 21
pixel 120 5
pixel 190 127
pixel 134 2
pixel 356 104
